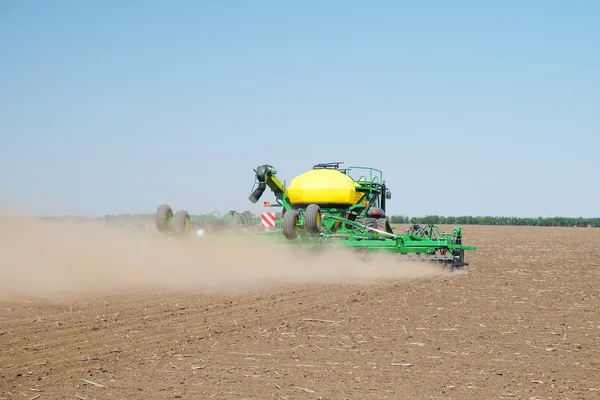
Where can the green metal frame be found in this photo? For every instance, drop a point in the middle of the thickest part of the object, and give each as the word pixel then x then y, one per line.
pixel 349 227
pixel 166 222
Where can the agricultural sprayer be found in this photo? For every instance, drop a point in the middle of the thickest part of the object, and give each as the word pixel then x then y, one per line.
pixel 333 206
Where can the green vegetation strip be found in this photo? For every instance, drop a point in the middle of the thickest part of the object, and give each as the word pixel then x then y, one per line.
pixel 399 219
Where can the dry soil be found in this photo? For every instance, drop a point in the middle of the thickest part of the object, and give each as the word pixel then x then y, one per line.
pixel 89 312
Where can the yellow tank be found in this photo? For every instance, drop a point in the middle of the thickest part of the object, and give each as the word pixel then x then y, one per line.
pixel 325 187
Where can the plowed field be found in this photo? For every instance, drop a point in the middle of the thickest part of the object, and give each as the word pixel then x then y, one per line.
pixel 85 314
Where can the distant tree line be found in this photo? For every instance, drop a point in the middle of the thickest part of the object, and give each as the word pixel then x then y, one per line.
pixel 148 219
pixel 505 221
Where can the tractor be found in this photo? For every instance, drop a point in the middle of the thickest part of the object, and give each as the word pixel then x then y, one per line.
pixel 333 206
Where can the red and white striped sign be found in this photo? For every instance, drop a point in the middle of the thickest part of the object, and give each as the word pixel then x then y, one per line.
pixel 268 220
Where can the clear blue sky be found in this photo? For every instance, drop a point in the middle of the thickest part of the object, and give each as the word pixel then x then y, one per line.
pixel 469 107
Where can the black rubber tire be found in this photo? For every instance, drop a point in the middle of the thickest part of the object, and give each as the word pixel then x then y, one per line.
pixel 368 222
pixel 290 221
pixel 181 223
pixel 384 225
pixel 312 218
pixel 164 213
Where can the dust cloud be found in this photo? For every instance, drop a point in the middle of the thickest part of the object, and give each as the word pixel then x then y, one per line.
pixel 47 259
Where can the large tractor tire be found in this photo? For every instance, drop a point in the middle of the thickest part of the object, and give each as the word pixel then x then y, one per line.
pixel 384 225
pixel 290 224
pixel 368 222
pixel 181 223
pixel 164 214
pixel 381 224
pixel 312 218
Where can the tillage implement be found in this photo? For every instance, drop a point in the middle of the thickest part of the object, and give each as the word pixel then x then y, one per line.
pixel 334 206
pixel 181 223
